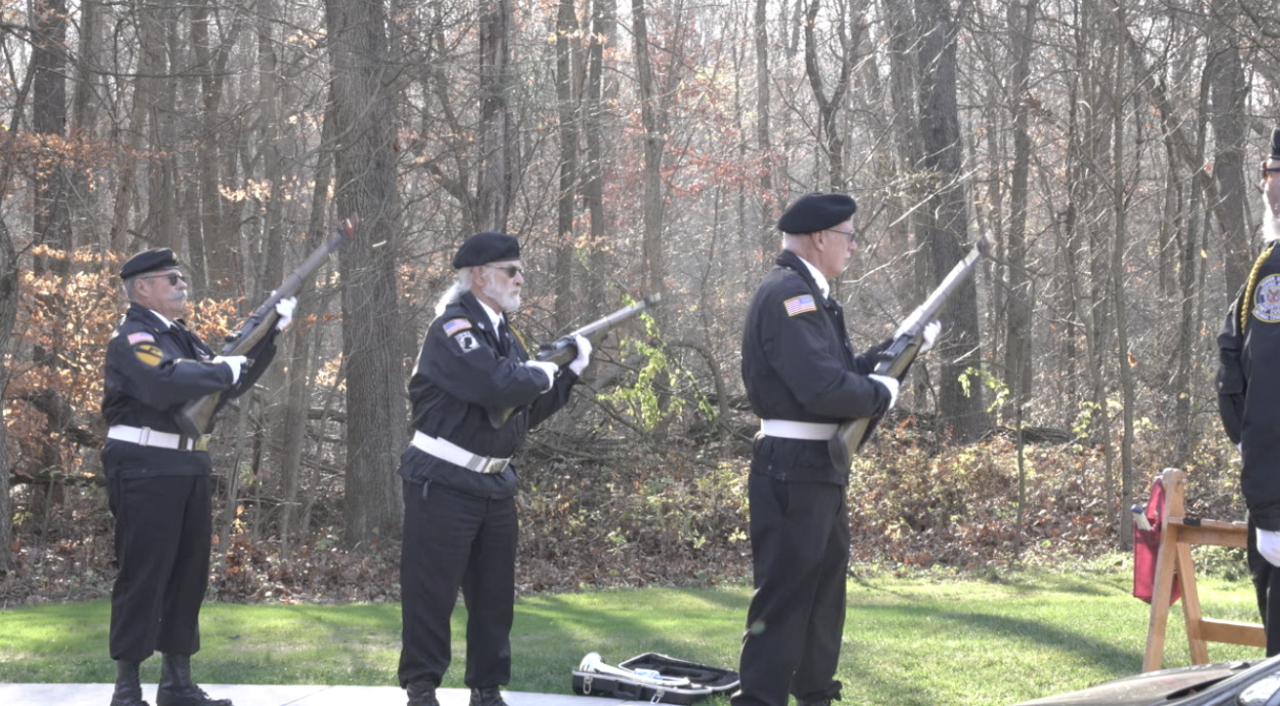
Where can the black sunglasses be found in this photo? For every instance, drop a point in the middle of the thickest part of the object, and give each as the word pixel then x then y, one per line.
pixel 173 278
pixel 511 270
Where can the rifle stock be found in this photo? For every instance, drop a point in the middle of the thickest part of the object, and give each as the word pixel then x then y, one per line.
pixel 895 359
pixel 196 417
pixel 562 351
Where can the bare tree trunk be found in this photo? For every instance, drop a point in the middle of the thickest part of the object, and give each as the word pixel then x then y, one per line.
pixel 150 65
pixel 567 69
pixel 944 221
pixel 1188 205
pixel 52 186
pixel 764 138
pixel 364 164
pixel 1020 302
pixel 497 141
pixel 654 143
pixel 8 312
pixel 598 94
pixel 221 262
pixel 1124 363
pixel 84 121
pixel 299 385
pixel 831 136
pixel 162 172
pixel 1227 94
pixel 1097 237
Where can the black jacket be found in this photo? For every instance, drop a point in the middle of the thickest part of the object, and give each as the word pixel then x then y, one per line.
pixel 1249 388
pixel 463 372
pixel 798 365
pixel 151 371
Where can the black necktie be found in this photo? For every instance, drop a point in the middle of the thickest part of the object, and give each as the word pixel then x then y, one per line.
pixel 504 336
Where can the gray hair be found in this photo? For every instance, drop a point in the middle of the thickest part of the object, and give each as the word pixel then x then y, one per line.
pixel 131 289
pixel 790 241
pixel 460 286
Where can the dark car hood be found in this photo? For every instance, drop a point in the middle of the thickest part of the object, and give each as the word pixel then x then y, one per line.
pixel 1167 686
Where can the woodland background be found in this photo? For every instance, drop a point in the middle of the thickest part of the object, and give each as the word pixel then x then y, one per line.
pixel 1108 149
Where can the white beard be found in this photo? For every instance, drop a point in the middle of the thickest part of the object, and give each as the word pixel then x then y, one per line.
pixel 1270 227
pixel 508 298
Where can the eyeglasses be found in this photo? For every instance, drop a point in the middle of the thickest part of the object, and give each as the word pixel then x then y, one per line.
pixel 1266 169
pixel 511 270
pixel 852 235
pixel 173 278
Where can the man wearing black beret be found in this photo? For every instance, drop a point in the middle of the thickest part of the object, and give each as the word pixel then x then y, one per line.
pixel 803 379
pixel 158 479
pixel 460 522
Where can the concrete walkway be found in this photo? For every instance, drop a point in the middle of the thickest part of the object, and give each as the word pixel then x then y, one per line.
pixel 259 695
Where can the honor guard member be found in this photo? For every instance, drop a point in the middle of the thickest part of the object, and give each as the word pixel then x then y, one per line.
pixel 460 521
pixel 1248 383
pixel 158 479
pixel 803 379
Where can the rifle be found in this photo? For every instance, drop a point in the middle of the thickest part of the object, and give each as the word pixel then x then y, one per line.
pixel 895 359
pixel 563 350
pixel 196 417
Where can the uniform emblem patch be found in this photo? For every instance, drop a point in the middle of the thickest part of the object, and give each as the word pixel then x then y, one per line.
pixel 149 353
pixel 466 341
pixel 139 337
pixel 1266 303
pixel 799 305
pixel 453 326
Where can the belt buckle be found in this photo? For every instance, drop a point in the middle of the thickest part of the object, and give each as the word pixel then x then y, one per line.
pixel 201 443
pixel 494 465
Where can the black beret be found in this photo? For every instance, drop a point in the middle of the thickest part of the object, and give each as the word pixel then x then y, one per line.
pixel 149 261
pixel 814 212
pixel 486 247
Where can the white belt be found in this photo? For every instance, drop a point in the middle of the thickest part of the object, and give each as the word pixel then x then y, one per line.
pixel 146 436
pixel 458 456
pixel 787 429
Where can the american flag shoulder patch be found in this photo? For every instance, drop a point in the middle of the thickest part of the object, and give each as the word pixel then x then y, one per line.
pixel 799 305
pixel 453 326
pixel 140 337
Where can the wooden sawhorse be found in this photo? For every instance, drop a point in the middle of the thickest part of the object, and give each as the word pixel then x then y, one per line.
pixel 1174 561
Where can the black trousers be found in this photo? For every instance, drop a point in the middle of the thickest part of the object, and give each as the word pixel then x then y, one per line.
pixel 1266 582
pixel 456 541
pixel 800 554
pixel 162 541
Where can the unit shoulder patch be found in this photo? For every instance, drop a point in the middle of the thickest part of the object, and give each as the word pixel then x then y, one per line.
pixel 800 304
pixel 1266 300
pixel 149 353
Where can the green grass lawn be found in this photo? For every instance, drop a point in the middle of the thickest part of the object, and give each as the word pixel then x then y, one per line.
pixel 926 641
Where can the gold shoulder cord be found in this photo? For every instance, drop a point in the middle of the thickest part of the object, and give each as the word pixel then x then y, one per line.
pixel 520 338
pixel 1246 304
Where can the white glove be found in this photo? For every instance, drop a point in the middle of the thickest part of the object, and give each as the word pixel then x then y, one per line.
pixel 285 308
pixel 550 369
pixel 1269 546
pixel 234 362
pixel 930 334
pixel 577 365
pixel 890 384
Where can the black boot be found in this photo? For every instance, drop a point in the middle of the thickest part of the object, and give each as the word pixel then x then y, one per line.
pixel 422 693
pixel 128 688
pixel 487 696
pixel 176 687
